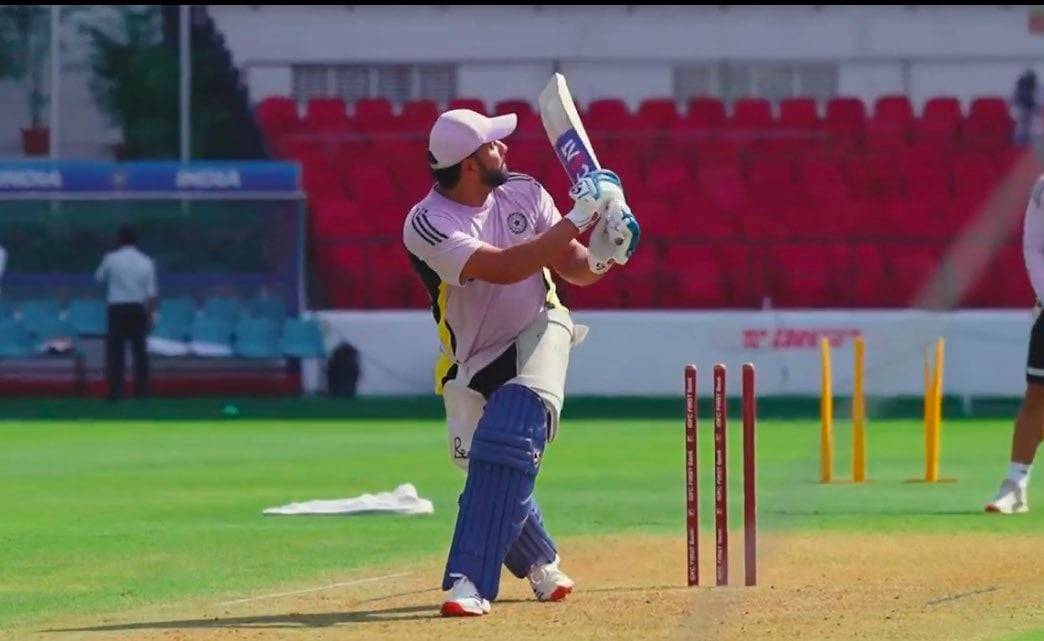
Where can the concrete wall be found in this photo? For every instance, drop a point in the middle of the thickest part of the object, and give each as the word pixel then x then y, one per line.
pixel 628 51
pixel 644 352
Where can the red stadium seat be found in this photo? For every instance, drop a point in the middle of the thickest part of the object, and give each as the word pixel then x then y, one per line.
pixel 909 266
pixel 474 104
pixel 799 113
pixel 865 279
pixel 803 277
pixel 628 167
pixel 326 114
pixel 912 218
pixel 700 217
pixel 769 175
pixel 658 113
pixel 659 219
pixel 989 126
pixel 750 122
pixel 522 159
pixel 845 122
pixel 695 279
pixel 823 179
pixel 410 174
pixel 893 109
pixel 874 177
pixel 752 113
pixel 319 178
pixel 940 123
pixel 278 115
pixel 886 135
pixel 367 110
pixel 668 176
pixel 338 219
pixel 926 174
pixel 520 107
pixel 371 186
pixel 556 183
pixel 723 182
pixel 418 116
pixel 706 111
pixel 745 274
pixel 605 120
pixel 1011 279
pixel 974 177
pixel 605 294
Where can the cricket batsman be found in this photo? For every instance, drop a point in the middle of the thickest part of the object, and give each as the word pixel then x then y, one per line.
pixel 1013 496
pixel 483 241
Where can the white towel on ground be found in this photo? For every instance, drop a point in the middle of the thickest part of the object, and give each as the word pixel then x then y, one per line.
pixel 403 500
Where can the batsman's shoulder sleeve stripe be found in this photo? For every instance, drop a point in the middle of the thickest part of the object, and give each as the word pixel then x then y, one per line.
pixel 513 175
pixel 426 224
pixel 426 236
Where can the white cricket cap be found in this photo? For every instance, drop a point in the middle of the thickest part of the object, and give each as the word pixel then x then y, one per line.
pixel 459 132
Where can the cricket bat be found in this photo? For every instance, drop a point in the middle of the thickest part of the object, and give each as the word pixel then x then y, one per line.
pixel 566 132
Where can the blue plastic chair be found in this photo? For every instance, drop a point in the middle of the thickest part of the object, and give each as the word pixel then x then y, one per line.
pixel 171 330
pixel 178 311
pixel 213 334
pixel 302 339
pixel 257 338
pixel 88 317
pixel 271 308
pixel 38 313
pixel 47 329
pixel 15 341
pixel 222 309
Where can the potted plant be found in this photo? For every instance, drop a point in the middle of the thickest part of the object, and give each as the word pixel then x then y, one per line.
pixel 25 37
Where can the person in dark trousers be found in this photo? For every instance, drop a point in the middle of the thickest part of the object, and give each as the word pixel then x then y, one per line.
pixel 1025 100
pixel 130 279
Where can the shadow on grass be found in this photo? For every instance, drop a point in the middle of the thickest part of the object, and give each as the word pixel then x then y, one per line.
pixel 320 620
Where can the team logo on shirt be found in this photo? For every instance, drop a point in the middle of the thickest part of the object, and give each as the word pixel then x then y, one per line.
pixel 517 222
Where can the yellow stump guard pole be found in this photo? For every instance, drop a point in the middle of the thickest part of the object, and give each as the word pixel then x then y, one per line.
pixel 937 398
pixel 929 412
pixel 933 393
pixel 858 415
pixel 826 416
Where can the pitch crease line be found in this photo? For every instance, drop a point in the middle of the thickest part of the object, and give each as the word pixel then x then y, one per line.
pixel 320 589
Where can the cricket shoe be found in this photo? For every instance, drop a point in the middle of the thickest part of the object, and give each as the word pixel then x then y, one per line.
pixel 1011 499
pixel 549 583
pixel 464 600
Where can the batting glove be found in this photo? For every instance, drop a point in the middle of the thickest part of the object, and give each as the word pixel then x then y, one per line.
pixel 592 194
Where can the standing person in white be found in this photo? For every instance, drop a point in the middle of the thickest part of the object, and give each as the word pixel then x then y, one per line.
pixel 1013 496
pixel 482 242
pixel 130 280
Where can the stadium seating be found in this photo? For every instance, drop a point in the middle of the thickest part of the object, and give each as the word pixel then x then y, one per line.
pixel 88 317
pixel 15 341
pixel 271 308
pixel 878 189
pixel 211 337
pixel 302 339
pixel 39 312
pixel 221 309
pixel 257 338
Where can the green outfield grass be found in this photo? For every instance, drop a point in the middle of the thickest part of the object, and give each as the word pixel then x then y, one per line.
pixel 105 515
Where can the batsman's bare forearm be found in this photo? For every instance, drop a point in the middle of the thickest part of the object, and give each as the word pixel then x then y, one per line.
pixel 506 266
pixel 571 265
